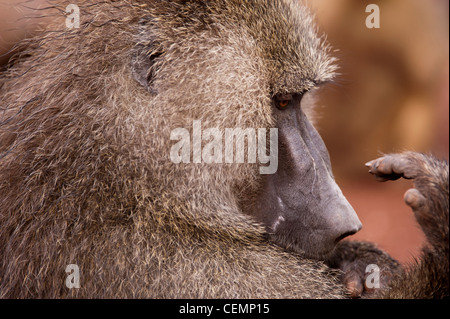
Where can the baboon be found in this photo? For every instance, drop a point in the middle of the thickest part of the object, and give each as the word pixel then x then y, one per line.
pixel 86 177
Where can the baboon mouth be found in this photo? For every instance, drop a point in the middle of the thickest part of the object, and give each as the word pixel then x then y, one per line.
pixel 349 233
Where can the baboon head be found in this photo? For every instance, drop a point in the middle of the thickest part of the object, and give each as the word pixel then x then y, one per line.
pixel 251 66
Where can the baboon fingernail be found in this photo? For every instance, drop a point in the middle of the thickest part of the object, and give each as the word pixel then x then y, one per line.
pixel 368 164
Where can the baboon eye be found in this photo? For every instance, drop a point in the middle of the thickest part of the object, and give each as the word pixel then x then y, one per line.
pixel 282 102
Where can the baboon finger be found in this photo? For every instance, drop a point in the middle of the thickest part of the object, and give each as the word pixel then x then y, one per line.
pixel 414 199
pixel 353 284
pixel 391 167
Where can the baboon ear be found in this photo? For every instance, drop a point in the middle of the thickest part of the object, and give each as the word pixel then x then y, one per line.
pixel 144 55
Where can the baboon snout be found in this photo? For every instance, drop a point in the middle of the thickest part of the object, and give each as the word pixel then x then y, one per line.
pixel 343 220
pixel 301 205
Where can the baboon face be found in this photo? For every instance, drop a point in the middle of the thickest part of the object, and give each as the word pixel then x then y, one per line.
pixel 301 205
pixel 232 73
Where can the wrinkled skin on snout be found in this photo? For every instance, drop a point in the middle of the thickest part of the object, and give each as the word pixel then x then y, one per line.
pixel 301 205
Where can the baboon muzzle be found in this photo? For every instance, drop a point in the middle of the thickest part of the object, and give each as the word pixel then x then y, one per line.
pixel 302 206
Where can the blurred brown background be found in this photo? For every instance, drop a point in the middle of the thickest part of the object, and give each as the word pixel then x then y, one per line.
pixel 391 95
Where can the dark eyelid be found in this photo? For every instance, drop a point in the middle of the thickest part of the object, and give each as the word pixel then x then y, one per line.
pixel 284 97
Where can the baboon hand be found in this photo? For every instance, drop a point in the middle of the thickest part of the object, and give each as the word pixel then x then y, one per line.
pixel 395 166
pixel 369 273
pixel 429 197
pixel 353 279
pixel 392 167
pixel 364 269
